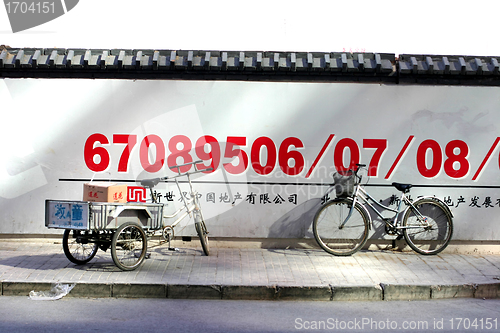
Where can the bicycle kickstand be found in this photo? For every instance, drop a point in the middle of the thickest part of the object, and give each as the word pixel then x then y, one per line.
pixel 170 248
pixel 394 240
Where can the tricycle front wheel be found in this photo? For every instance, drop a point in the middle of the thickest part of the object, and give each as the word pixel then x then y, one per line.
pixel 77 247
pixel 129 246
pixel 201 229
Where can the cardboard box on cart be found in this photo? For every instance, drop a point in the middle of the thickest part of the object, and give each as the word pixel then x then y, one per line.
pixel 104 192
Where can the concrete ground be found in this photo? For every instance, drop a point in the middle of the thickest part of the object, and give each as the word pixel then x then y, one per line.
pixel 252 273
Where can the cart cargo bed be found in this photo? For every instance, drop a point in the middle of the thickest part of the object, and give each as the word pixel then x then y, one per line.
pixel 85 215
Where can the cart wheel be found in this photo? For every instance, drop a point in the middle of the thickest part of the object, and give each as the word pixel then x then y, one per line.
pixel 77 248
pixel 129 246
pixel 201 229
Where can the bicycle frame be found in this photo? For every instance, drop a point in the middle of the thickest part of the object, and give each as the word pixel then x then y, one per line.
pixel 367 199
pixel 189 204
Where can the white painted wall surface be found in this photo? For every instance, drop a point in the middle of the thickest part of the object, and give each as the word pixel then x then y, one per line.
pixel 47 123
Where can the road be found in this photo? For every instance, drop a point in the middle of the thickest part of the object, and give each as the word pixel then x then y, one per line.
pixel 20 314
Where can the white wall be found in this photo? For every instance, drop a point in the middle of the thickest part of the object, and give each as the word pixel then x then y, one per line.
pixel 46 124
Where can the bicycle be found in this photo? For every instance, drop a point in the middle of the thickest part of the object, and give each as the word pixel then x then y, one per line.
pixel 341 225
pixel 190 205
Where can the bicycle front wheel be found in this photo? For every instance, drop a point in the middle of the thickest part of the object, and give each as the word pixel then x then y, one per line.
pixel 201 229
pixel 337 237
pixel 429 228
pixel 129 246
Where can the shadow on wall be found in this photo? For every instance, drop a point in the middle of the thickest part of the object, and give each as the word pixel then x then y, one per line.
pixel 297 223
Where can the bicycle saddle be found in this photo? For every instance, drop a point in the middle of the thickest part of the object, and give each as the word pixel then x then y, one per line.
pixel 150 182
pixel 405 188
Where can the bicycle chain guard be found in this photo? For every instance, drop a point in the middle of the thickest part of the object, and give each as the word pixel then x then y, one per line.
pixel 390 229
pixel 168 233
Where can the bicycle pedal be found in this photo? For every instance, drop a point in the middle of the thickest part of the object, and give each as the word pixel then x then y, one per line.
pixel 147 256
pixel 390 230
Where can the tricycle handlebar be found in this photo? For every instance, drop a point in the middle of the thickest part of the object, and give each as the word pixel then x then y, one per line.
pixel 150 183
pixel 181 165
pixel 190 163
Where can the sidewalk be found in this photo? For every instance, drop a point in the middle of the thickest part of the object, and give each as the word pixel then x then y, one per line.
pixel 251 273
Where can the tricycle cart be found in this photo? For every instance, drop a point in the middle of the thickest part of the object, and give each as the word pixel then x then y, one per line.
pixel 123 227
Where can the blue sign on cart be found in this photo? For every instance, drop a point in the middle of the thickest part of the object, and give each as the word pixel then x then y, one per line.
pixel 67 215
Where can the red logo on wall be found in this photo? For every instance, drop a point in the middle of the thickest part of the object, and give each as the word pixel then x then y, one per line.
pixel 136 194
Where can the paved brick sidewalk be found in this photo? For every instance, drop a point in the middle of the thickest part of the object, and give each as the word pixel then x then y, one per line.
pixel 249 273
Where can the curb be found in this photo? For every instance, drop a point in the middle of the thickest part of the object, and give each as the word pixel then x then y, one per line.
pixel 382 292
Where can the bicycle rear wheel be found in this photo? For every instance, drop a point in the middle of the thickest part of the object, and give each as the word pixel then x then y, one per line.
pixel 429 230
pixel 129 246
pixel 338 239
pixel 77 248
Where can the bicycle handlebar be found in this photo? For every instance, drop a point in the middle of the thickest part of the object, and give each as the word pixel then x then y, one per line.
pixel 181 165
pixel 190 172
pixel 150 183
pixel 186 173
pixel 359 166
pixel 190 163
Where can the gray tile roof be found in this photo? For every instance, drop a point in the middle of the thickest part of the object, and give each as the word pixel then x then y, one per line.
pixel 248 65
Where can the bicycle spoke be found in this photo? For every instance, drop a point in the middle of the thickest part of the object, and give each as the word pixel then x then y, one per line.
pixel 129 246
pixel 431 235
pixel 76 248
